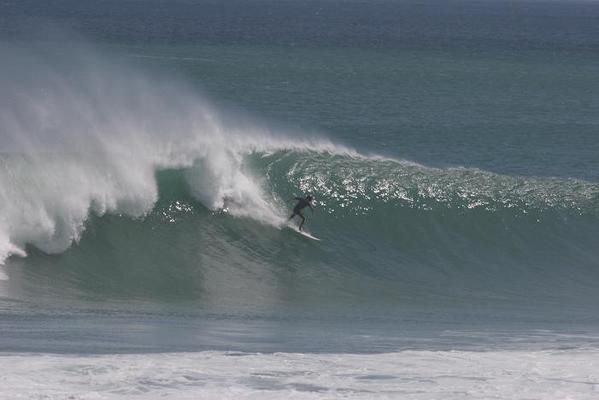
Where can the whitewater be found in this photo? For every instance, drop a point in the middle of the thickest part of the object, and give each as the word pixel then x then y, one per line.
pixel 231 375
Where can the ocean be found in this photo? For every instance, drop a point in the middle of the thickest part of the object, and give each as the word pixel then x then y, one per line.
pixel 151 151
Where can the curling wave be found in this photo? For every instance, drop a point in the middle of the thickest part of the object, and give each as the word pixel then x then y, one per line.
pixel 163 194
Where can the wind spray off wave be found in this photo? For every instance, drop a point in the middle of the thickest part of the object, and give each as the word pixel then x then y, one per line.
pixel 82 134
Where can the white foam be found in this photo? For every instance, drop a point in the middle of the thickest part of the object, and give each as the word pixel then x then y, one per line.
pixel 567 374
pixel 82 134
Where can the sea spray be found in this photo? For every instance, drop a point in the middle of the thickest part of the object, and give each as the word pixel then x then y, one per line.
pixel 84 134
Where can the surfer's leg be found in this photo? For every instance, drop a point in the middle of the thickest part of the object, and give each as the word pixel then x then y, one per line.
pixel 302 223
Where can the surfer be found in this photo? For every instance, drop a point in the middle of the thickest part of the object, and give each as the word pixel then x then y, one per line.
pixel 301 204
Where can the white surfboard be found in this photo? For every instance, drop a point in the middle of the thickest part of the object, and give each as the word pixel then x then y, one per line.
pixel 304 233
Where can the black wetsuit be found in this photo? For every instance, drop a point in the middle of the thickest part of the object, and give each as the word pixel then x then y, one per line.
pixel 297 210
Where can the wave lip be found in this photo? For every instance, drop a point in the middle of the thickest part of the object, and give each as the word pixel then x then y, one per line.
pixel 356 181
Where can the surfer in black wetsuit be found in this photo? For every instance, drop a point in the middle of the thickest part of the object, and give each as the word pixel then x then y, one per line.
pixel 297 210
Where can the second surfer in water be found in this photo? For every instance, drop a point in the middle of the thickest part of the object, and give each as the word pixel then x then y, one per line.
pixel 297 210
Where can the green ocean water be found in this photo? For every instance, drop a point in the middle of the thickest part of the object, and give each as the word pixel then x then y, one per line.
pixel 146 176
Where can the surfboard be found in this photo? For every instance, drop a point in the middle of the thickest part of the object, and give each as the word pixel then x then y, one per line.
pixel 304 233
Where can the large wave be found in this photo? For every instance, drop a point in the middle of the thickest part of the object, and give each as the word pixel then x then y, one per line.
pixel 153 172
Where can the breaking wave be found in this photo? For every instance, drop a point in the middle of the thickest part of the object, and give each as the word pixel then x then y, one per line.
pixel 155 185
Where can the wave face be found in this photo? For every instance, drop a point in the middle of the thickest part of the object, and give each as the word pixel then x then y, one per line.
pixel 121 182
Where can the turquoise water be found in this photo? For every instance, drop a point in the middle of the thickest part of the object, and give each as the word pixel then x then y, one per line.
pixel 146 174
